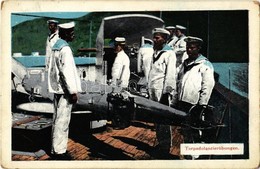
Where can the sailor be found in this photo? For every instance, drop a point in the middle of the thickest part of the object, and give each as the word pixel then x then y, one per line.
pixel 51 40
pixel 64 82
pixel 180 45
pixel 144 58
pixel 172 38
pixel 121 65
pixel 162 82
pixel 194 88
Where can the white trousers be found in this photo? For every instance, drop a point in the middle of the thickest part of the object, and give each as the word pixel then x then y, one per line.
pixel 61 120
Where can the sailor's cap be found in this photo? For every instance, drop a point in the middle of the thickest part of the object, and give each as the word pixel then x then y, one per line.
pixel 169 27
pixel 180 27
pixel 146 40
pixel 160 30
pixel 120 40
pixel 52 21
pixel 191 39
pixel 68 25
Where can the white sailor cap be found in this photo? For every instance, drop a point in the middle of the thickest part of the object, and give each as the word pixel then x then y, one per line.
pixel 146 40
pixel 161 30
pixel 169 27
pixel 180 27
pixel 191 39
pixel 120 40
pixel 68 25
pixel 52 21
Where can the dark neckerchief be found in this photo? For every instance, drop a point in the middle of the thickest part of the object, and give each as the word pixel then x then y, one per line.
pixel 158 56
pixel 188 64
pixel 51 36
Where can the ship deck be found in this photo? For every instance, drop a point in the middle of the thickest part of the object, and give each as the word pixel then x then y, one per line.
pixel 136 142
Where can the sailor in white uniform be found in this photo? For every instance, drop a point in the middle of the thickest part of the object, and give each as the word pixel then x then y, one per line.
pixel 196 76
pixel 51 40
pixel 64 82
pixel 121 65
pixel 194 88
pixel 162 82
pixel 172 38
pixel 180 46
pixel 144 58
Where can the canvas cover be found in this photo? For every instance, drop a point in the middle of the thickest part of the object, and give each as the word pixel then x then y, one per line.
pixel 130 26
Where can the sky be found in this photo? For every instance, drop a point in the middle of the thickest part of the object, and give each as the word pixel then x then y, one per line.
pixel 17 18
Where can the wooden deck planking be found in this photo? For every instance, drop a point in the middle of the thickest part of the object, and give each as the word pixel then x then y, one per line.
pixel 135 142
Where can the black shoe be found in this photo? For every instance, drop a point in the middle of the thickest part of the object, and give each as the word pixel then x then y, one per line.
pixel 64 156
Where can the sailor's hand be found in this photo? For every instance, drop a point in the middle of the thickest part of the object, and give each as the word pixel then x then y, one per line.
pixel 118 82
pixel 73 98
pixel 174 102
pixel 109 82
pixel 168 90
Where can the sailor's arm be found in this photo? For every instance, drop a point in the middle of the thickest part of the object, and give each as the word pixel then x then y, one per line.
pixel 207 83
pixel 139 61
pixel 181 48
pixel 69 71
pixel 170 74
pixel 116 70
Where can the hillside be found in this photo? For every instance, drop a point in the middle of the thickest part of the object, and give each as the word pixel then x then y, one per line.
pixel 30 36
pixel 225 33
